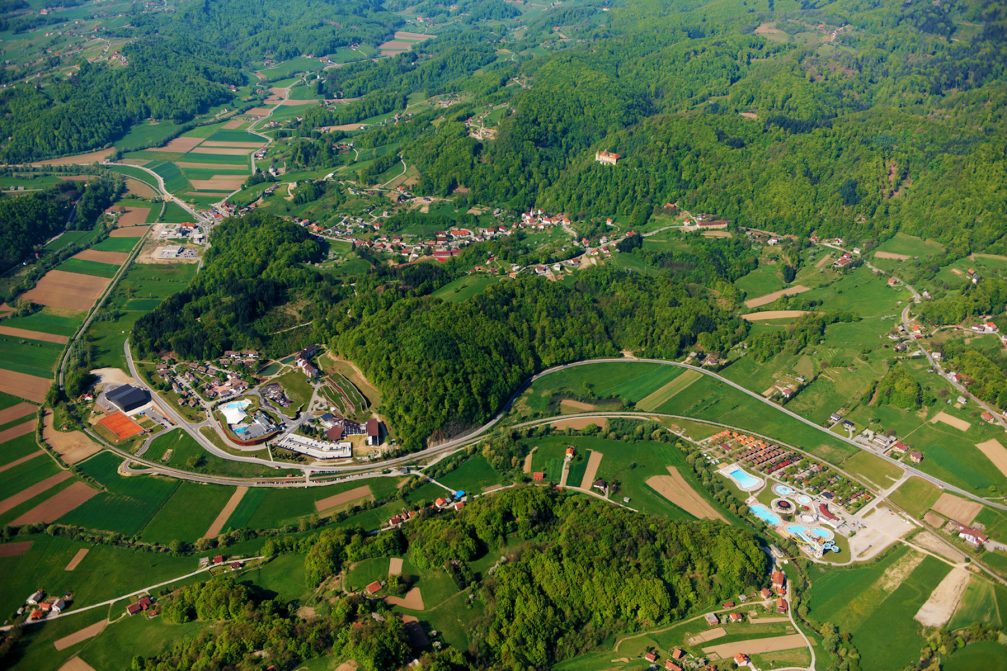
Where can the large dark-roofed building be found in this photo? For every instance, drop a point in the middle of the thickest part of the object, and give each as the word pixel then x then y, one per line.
pixel 127 397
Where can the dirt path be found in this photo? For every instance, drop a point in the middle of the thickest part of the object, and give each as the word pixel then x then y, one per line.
pixel 774 314
pixel 77 559
pixel 593 462
pixel 34 490
pixel 226 512
pixel 413 600
pixel 33 335
pixel 956 508
pixel 756 646
pixel 677 489
pixel 951 421
pixel 996 453
pixel 941 605
pixel 526 467
pixel 72 446
pixel 81 635
pixel 766 299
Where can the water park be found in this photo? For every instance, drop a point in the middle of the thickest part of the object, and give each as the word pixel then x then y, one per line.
pixel 246 428
pixel 744 480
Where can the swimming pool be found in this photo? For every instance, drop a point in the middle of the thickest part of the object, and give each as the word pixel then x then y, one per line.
pixel 783 490
pixel 810 536
pixel 764 514
pixel 804 499
pixel 745 481
pixel 234 411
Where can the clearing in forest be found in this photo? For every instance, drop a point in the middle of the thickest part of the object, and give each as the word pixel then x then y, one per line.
pixel 677 489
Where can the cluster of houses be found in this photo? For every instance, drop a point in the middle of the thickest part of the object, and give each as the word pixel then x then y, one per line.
pixel 678 659
pixel 39 606
pixel 217 380
pixel 456 501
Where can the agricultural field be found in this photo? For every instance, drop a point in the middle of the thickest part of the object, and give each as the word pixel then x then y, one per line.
pixel 140 290
pixel 876 603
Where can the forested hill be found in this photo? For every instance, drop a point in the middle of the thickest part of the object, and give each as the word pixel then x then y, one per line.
pixel 585 571
pixel 847 117
pixel 443 367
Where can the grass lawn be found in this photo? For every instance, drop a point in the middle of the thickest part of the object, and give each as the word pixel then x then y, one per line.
pixel 115 245
pixel 150 134
pixel 297 387
pixel 873 469
pixel 116 647
pixel 761 281
pixel 283 576
pixel 877 609
pixel 188 513
pixel 265 508
pixel 604 381
pixel 980 655
pixel 630 463
pixel 107 571
pixel 189 455
pixel 141 289
pixel 981 602
pixel 367 571
pixel 33 357
pixel 89 267
pixel 910 245
pixel 915 496
pixel 128 505
pixel 472 476
pixel 69 238
pixel 174 214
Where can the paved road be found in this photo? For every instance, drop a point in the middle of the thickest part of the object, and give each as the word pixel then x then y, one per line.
pixel 472 436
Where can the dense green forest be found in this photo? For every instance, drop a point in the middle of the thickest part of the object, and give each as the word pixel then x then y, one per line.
pixel 28 220
pixel 565 591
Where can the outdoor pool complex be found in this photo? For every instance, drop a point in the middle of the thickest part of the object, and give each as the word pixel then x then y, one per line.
pixel 745 481
pixel 783 490
pixel 765 514
pixel 234 411
pixel 810 536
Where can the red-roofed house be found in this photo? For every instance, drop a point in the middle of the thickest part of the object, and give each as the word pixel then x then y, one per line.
pixel 651 657
pixel 373 588
pixel 741 659
pixel 373 431
pixel 538 476
pixel 781 605
pixel 671 666
pixel 972 535
pixel 607 157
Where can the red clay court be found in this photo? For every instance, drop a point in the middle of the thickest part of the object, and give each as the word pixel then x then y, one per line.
pixel 122 426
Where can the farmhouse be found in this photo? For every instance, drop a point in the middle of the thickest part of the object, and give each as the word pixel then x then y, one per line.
pixel 671 666
pixel 127 397
pixel 138 607
pixel 916 456
pixel 651 656
pixel 779 579
pixel 37 596
pixel 712 619
pixel 607 157
pixel 972 536
pixel 741 659
pixel 373 588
